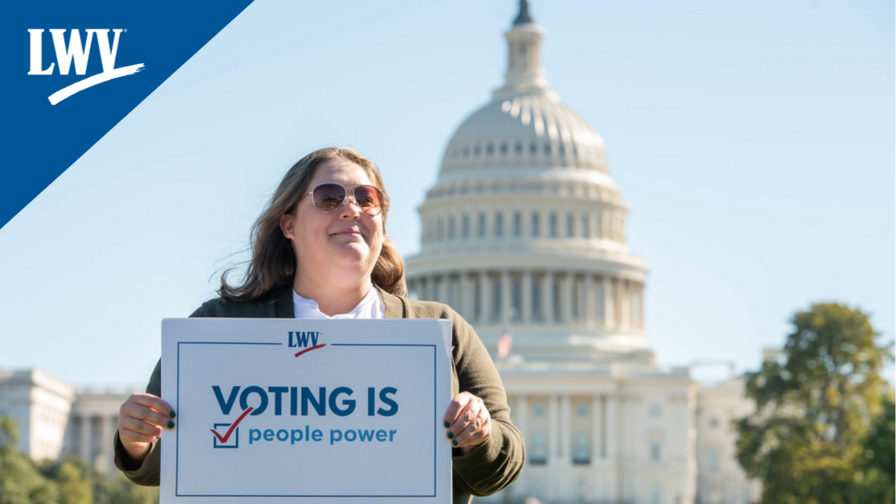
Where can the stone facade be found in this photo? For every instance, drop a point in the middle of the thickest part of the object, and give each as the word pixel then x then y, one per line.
pixel 92 426
pixel 41 405
pixel 56 420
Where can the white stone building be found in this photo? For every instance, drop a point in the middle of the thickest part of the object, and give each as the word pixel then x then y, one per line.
pixel 524 233
pixel 41 405
pixel 91 427
pixel 56 420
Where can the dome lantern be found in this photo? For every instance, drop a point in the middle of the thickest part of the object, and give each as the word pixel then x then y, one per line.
pixel 524 72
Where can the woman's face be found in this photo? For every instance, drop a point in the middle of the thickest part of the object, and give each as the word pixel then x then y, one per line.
pixel 340 247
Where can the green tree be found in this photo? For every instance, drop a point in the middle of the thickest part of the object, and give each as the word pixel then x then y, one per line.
pixel 68 481
pixel 813 408
pixel 20 482
pixel 74 487
pixel 122 491
pixel 878 465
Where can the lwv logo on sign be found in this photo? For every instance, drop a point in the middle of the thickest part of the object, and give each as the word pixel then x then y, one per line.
pixel 301 339
pixel 79 54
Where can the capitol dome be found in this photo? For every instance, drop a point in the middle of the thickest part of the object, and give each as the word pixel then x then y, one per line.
pixel 524 230
pixel 532 128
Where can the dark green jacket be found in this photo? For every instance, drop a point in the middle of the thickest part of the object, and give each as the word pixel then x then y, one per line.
pixel 484 470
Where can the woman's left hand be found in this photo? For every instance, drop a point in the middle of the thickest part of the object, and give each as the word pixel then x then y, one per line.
pixel 468 422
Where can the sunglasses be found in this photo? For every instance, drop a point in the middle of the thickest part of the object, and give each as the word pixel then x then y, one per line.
pixel 330 196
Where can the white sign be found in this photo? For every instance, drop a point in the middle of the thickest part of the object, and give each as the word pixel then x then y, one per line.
pixel 275 410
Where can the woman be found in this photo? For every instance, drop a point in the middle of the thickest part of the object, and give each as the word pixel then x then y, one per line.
pixel 320 251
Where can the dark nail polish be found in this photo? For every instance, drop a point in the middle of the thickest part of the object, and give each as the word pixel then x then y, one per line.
pixel 447 424
pixel 158 438
pixel 172 414
pixel 454 442
pixel 450 434
pixel 170 424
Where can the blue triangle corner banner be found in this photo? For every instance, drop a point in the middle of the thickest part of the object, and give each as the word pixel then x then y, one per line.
pixel 73 70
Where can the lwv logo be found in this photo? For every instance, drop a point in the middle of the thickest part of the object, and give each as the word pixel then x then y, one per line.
pixel 79 54
pixel 301 339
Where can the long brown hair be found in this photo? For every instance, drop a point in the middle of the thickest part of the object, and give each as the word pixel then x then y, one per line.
pixel 273 264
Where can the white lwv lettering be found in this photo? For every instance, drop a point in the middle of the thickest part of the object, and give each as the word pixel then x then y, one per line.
pixel 75 50
pixel 79 54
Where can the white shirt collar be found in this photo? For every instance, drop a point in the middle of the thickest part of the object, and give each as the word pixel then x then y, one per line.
pixel 370 307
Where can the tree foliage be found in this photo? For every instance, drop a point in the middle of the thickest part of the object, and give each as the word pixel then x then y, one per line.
pixel 876 483
pixel 68 481
pixel 806 439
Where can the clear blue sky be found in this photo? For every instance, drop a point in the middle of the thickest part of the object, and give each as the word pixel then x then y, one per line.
pixel 753 141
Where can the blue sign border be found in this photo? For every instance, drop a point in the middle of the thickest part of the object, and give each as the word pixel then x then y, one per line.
pixel 435 415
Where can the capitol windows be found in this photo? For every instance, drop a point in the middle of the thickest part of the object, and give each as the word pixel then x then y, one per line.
pixel 582 492
pixel 655 449
pixel 536 489
pixel 477 298
pixel 451 285
pixel 518 148
pixel 655 410
pixel 570 226
pixel 586 228
pixel 656 493
pixel 481 227
pixel 489 149
pixel 714 460
pixel 516 309
pixel 538 409
pixel 452 227
pixel 440 230
pixel 533 148
pixel 552 224
pixel 499 224
pixel 503 148
pixel 466 151
pixel 539 454
pixel 562 150
pixel 582 409
pixel 536 300
pixel 476 150
pixel 497 298
pixel 713 422
pixel 582 452
pixel 436 292
pixel 547 148
pixel 465 226
pixel 555 290
pixel 535 222
pixel 517 224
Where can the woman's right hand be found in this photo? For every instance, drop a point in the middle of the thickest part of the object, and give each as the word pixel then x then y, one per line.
pixel 140 422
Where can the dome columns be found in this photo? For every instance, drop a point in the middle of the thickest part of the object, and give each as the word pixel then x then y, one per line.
pixel 530 220
pixel 531 298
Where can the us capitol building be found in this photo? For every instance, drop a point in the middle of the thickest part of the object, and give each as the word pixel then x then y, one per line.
pixel 524 235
